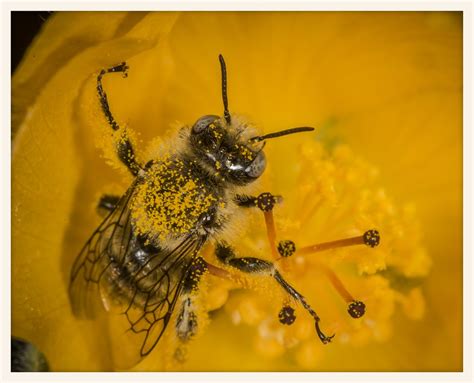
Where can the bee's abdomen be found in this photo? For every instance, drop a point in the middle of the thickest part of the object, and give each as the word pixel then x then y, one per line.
pixel 124 256
pixel 145 274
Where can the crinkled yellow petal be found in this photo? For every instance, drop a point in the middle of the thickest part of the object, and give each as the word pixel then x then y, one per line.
pixel 49 179
pixel 386 85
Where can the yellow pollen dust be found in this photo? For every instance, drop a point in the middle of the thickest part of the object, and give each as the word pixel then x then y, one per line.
pixel 109 140
pixel 169 201
pixel 215 132
pixel 245 152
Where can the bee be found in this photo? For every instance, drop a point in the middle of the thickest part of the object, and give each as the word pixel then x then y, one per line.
pixel 144 260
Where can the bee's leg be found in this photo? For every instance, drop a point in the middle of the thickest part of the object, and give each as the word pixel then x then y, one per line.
pixel 286 248
pixel 265 201
pixel 107 204
pixel 124 148
pixel 187 322
pixel 265 268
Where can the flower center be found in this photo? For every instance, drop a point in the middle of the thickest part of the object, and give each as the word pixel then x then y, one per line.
pixel 336 196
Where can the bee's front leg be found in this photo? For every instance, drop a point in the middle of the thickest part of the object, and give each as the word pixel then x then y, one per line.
pixel 124 147
pixel 265 201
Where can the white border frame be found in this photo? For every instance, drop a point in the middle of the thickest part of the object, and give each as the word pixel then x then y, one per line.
pixel 231 5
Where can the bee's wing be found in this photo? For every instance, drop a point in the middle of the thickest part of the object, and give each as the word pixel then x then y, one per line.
pixel 142 321
pixel 149 311
pixel 96 257
pixel 153 290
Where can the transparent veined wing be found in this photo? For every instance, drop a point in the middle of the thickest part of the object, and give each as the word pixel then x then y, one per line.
pixel 139 289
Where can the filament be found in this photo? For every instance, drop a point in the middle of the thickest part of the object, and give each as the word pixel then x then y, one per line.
pixel 356 309
pixel 370 238
pixel 338 285
pixel 271 232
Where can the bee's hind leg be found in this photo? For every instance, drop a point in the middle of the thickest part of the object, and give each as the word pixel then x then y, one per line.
pixel 187 321
pixel 125 150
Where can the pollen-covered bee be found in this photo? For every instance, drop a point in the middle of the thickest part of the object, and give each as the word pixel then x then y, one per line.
pixel 144 261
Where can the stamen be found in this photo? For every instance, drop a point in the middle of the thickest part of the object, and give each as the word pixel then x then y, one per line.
pixel 286 248
pixel 287 315
pixel 356 309
pixel 265 202
pixel 218 272
pixel 370 238
pixel 224 274
pixel 281 133
pixel 336 282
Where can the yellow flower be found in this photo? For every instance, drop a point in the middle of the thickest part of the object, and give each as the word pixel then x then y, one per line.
pixel 384 92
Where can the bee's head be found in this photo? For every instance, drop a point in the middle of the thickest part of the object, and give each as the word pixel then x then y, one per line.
pixel 224 146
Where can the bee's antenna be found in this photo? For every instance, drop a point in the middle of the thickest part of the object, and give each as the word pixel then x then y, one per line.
pixel 281 133
pixel 224 89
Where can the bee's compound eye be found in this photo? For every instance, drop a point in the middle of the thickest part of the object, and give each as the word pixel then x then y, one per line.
pixel 203 123
pixel 256 168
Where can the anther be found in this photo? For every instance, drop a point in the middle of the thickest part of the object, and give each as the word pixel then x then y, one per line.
pixel 266 201
pixel 371 238
pixel 287 315
pixel 286 248
pixel 356 309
